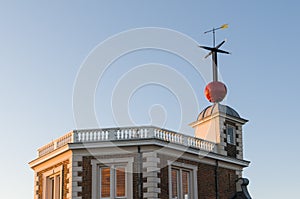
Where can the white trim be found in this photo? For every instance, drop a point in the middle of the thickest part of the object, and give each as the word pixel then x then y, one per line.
pixel 170 146
pixel 113 163
pixel 218 114
pixel 206 158
pixel 193 171
pixel 56 152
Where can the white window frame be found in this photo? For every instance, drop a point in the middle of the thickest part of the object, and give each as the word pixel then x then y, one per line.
pixel 113 180
pixel 233 134
pixel 193 177
pixel 53 173
pixel 113 164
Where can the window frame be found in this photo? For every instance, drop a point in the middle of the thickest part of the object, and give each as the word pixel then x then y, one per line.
pixel 113 164
pixel 47 176
pixel 192 170
pixel 229 126
pixel 113 180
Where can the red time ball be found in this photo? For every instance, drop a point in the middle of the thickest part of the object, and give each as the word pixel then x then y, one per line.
pixel 215 91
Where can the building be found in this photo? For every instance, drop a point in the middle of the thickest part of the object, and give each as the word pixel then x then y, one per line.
pixel 145 161
pixel 149 162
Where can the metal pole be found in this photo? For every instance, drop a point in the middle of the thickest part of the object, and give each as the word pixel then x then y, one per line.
pixel 214 39
pixel 215 66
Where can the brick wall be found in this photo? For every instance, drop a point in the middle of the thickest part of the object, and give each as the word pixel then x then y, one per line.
pixel 205 178
pixel 86 178
pixel 164 185
pixel 227 184
pixel 135 178
pixel 206 181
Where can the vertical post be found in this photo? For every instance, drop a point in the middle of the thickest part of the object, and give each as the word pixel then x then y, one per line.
pixel 215 66
pixel 214 38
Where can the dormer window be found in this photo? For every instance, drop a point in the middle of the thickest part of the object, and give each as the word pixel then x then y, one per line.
pixel 230 131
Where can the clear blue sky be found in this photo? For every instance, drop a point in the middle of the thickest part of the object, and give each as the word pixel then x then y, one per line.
pixel 42 46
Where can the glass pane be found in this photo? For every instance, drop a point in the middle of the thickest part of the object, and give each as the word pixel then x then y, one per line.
pixel 52 188
pixel 57 186
pixel 186 184
pixel 105 182
pixel 175 183
pixel 120 182
pixel 230 133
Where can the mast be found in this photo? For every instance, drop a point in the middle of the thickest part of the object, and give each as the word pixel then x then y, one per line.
pixel 214 51
pixel 215 91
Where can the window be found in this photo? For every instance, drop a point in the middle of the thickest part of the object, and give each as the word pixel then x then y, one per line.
pixel 114 176
pixel 53 184
pixel 175 183
pixel 183 183
pixel 105 182
pixel 230 134
pixel 53 187
pixel 120 182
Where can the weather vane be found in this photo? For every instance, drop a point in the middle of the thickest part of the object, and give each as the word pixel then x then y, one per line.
pixel 215 91
pixel 214 30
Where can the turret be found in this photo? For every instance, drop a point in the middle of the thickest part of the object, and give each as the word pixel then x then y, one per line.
pixel 222 125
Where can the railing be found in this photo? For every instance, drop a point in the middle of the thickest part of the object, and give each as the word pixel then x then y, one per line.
pixel 129 133
pixel 56 144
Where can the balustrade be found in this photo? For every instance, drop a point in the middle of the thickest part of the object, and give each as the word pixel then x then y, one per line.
pixel 129 133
